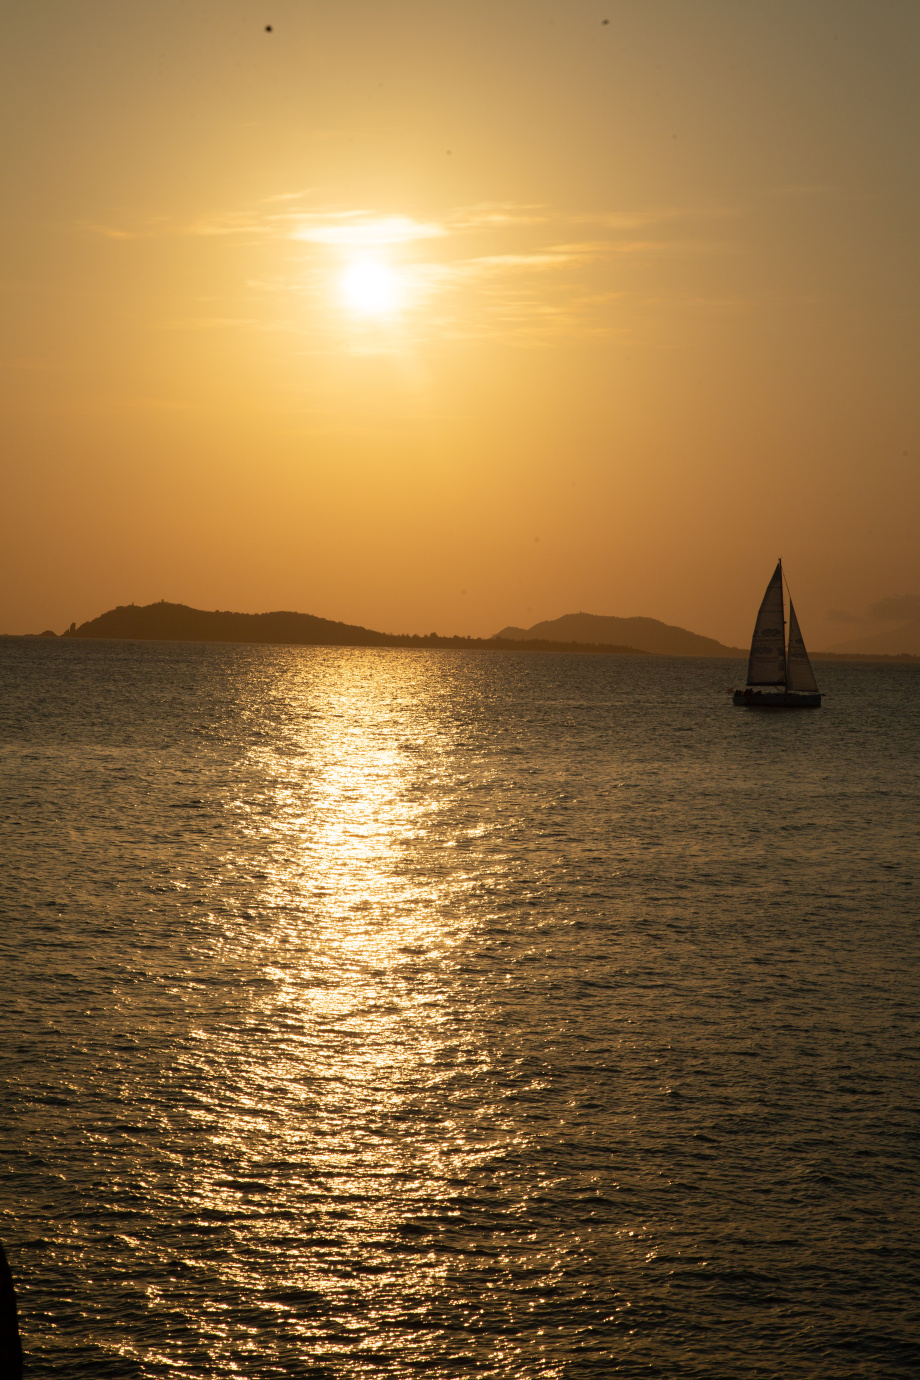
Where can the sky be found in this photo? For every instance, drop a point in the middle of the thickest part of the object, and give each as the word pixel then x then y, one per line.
pixel 442 317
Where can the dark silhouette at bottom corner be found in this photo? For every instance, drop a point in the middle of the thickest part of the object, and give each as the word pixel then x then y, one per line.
pixel 10 1345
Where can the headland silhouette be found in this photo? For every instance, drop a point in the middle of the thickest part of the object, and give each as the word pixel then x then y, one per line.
pixel 648 634
pixel 577 633
pixel 164 622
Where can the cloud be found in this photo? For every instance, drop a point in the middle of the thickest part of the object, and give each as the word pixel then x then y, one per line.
pixel 641 220
pixel 363 230
pixel 549 258
pixel 286 196
pixel 352 229
pixel 211 323
pixel 109 232
pixel 232 224
pixel 362 227
pixel 497 216
pixel 521 271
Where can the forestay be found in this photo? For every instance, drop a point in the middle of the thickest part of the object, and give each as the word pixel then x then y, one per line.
pixel 767 662
pixel 799 675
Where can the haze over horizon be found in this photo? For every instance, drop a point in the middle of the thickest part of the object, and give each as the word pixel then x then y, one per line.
pixel 419 318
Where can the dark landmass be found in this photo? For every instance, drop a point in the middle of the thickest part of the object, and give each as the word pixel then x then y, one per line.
pixel 648 634
pixel 165 622
pixel 178 623
pixel 665 639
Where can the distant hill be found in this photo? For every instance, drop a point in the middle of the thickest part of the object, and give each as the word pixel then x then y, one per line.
pixel 648 634
pixel 895 643
pixel 583 633
pixel 165 622
pixel 179 623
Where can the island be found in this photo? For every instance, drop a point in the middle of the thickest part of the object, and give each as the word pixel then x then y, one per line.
pixel 165 622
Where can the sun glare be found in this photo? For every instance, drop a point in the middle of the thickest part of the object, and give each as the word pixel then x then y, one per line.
pixel 371 288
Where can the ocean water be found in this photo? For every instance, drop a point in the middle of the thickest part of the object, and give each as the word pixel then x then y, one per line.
pixel 457 1014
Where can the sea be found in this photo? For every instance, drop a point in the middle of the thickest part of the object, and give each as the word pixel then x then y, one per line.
pixel 383 1012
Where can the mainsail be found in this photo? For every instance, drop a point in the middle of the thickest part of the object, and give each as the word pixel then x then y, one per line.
pixel 799 675
pixel 767 662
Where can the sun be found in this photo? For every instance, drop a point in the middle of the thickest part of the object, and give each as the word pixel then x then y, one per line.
pixel 371 288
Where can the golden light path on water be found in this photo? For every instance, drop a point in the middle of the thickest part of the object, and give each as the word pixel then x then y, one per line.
pixel 360 923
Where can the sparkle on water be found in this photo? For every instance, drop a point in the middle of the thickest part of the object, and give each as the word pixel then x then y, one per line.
pixel 392 1012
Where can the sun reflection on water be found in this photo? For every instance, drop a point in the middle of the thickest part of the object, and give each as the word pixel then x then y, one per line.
pixel 338 1067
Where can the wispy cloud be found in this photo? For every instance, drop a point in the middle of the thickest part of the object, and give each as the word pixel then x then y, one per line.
pixel 232 224
pixel 497 215
pixel 363 230
pixel 525 271
pixel 287 196
pixel 361 226
pixel 535 262
pixel 109 232
pixel 212 323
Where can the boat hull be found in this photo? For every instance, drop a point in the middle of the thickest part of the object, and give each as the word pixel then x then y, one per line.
pixel 776 699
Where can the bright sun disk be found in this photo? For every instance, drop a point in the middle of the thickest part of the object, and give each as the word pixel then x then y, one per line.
pixel 370 288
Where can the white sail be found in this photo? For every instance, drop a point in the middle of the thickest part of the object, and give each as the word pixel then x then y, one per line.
pixel 767 662
pixel 799 675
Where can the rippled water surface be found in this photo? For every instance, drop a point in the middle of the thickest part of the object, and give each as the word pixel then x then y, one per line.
pixel 452 1014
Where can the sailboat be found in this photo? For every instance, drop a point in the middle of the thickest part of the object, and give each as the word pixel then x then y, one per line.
pixel 779 672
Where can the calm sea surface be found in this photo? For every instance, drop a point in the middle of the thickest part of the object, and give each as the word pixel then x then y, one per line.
pixel 450 1014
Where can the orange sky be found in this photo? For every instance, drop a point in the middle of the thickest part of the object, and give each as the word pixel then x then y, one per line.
pixel 431 316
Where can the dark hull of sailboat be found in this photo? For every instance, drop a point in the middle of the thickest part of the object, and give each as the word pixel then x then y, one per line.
pixel 776 699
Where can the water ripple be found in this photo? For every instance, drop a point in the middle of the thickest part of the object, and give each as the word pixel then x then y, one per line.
pixel 408 1013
